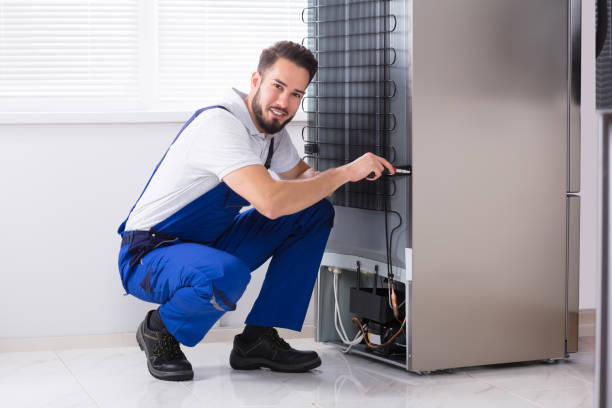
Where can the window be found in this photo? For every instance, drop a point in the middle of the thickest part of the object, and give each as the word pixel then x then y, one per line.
pixel 150 55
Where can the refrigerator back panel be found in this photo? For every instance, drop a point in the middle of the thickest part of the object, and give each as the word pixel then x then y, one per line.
pixel 357 104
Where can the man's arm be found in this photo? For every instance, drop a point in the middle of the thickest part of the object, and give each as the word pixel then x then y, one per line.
pixel 275 198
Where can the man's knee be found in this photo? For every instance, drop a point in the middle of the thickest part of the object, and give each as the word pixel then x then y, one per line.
pixel 226 270
pixel 237 272
pixel 228 289
pixel 324 210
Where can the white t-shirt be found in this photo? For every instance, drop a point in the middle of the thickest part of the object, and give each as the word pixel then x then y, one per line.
pixel 214 144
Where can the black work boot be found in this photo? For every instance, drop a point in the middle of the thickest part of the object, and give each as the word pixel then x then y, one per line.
pixel 165 359
pixel 271 351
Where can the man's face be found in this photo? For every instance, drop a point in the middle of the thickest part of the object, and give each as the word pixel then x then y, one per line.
pixel 278 93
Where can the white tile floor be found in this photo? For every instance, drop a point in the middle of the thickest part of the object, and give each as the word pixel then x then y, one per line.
pixel 118 377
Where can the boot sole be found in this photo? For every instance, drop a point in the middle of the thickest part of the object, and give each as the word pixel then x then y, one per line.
pixel 257 363
pixel 162 375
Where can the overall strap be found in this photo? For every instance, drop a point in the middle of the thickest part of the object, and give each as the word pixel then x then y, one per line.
pixel 270 153
pixel 195 115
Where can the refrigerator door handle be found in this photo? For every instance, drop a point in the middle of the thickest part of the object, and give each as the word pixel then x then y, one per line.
pixel 574 56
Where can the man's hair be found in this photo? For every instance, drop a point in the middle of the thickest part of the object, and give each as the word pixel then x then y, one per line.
pixel 296 53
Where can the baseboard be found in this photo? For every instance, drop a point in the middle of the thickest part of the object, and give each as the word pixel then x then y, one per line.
pixel 215 335
pixel 586 323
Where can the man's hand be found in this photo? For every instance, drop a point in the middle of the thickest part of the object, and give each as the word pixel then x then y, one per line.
pixel 301 171
pixel 362 167
pixel 310 173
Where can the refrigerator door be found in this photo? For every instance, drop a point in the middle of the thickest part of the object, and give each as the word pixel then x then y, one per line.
pixel 489 158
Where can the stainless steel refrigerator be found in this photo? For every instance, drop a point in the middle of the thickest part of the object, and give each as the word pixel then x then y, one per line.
pixel 479 100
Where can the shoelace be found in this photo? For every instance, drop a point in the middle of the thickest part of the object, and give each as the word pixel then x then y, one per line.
pixel 278 340
pixel 167 347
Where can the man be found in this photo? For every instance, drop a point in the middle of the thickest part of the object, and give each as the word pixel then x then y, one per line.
pixel 186 245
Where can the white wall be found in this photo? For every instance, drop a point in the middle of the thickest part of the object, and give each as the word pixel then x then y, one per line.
pixel 66 188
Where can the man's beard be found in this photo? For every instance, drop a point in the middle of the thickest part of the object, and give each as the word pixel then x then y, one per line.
pixel 268 128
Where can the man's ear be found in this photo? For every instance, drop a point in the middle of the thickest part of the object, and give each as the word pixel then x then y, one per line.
pixel 255 80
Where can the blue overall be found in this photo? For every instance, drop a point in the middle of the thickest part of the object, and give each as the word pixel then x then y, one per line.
pixel 198 262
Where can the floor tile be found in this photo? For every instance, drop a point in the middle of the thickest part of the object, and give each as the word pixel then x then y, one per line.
pixel 39 379
pixel 261 388
pixel 523 376
pixel 459 395
pixel 118 377
pixel 581 365
pixel 572 397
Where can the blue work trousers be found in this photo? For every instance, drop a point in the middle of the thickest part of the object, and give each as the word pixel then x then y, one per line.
pixel 197 283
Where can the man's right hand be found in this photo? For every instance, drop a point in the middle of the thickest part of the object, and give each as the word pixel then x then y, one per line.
pixel 362 167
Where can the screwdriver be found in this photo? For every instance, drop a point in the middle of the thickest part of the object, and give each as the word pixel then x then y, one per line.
pixel 399 171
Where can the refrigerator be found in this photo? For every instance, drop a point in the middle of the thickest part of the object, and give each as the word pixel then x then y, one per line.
pixel 479 101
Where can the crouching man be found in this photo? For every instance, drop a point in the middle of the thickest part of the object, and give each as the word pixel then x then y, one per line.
pixel 186 245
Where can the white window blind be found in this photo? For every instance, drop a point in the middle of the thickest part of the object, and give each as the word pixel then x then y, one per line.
pixel 150 55
pixel 205 47
pixel 57 55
